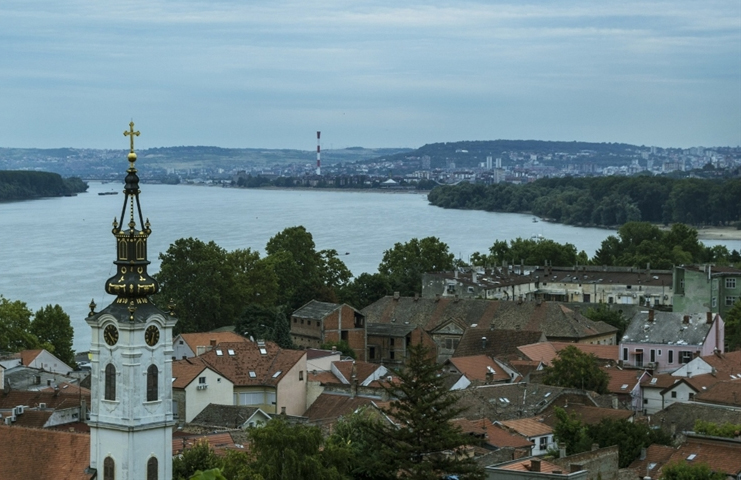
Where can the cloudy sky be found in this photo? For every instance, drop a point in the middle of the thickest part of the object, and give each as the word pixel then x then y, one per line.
pixel 269 74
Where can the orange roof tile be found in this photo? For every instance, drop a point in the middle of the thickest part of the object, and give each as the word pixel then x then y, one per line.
pixel 363 370
pixel 476 367
pixel 185 371
pixel 252 363
pixel 204 339
pixel 726 363
pixel 65 455
pixel 724 393
pixel 33 399
pixel 528 427
pixel 722 456
pixel 623 381
pixel 69 389
pixel 526 466
pixel 323 377
pixel 28 356
pixel 602 352
pixel 327 408
pixel 219 442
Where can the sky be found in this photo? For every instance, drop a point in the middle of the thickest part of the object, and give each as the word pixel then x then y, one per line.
pixel 269 74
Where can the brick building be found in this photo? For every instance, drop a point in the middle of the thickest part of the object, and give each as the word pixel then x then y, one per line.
pixel 317 323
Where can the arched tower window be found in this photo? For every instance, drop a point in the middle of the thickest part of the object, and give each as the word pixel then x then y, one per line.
pixel 110 383
pixel 152 390
pixel 152 469
pixel 109 469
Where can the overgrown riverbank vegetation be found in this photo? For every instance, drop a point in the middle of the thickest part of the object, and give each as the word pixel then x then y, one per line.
pixel 22 185
pixel 604 201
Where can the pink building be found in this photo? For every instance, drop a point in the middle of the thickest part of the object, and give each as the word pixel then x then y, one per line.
pixel 664 341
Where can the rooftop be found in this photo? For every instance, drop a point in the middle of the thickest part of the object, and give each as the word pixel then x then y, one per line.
pixel 32 453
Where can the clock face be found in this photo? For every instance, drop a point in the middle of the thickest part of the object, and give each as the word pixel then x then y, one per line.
pixel 110 334
pixel 152 335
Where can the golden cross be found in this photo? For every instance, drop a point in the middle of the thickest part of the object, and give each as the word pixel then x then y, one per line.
pixel 131 133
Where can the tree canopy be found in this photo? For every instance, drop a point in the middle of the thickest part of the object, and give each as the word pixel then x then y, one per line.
pixel 575 369
pixel 423 409
pixel 690 471
pixel 404 264
pixel 52 326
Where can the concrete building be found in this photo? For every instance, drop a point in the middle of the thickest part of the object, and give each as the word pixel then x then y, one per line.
pixel 706 288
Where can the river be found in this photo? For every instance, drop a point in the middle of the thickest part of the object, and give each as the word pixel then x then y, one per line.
pixel 61 250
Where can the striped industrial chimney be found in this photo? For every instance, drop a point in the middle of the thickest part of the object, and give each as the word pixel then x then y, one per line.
pixel 318 155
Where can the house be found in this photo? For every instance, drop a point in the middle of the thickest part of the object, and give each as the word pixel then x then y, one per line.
pixel 264 375
pixel 320 360
pixel 188 345
pixel 389 343
pixel 43 360
pixel 480 369
pixel 348 377
pixel 446 319
pixel 328 408
pixel 31 453
pixel 626 384
pixel 587 414
pixel 495 342
pixel 501 283
pixel 531 468
pixel 664 341
pixel 546 352
pixel 495 437
pixel 317 323
pixel 680 418
pixel 230 416
pixel 706 288
pixel 726 393
pixel 47 409
pixel 721 455
pixel 195 386
pixel 535 430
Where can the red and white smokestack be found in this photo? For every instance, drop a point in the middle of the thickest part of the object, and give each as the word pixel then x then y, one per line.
pixel 318 155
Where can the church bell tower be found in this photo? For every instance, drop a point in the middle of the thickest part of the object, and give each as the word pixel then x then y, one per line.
pixel 131 417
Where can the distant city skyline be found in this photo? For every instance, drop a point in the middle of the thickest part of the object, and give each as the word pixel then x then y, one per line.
pixel 368 73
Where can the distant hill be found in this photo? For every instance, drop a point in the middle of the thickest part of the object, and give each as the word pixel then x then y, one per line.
pixel 467 154
pixel 18 185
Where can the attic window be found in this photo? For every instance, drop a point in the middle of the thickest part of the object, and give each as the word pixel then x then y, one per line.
pixel 277 374
pixel 691 457
pixel 231 352
pixel 263 351
pixel 653 381
pixel 219 353
pixel 253 375
pixel 624 386
pixel 548 394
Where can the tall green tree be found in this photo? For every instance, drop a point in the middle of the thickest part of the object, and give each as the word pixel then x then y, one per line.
pixel 265 323
pixel 603 313
pixel 369 456
pixel 52 325
pixel 200 457
pixel 405 263
pixel 690 471
pixel 291 451
pixel 15 327
pixel 418 447
pixel 365 289
pixel 573 368
pixel 732 320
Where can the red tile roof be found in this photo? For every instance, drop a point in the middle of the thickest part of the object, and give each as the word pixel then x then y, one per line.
pixel 204 339
pixel 28 356
pixel 722 456
pixel 327 408
pixel 32 399
pixel 268 367
pixel 528 427
pixel 547 351
pixel 527 466
pixel 476 367
pixel 722 393
pixel 656 457
pixel 627 378
pixel 186 370
pixel 363 370
pixel 40 454
pixel 219 442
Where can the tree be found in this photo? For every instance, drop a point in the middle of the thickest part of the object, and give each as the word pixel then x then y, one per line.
pixel 265 323
pixel 368 455
pixel 210 286
pixel 365 289
pixel 732 319
pixel 199 458
pixel 15 327
pixel 52 325
pixel 423 408
pixel 281 450
pixel 690 471
pixel 574 369
pixel 405 263
pixel 213 474
pixel 603 313
pixel 571 432
pixel 342 346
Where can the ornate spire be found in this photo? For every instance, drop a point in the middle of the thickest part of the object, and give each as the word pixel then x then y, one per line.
pixel 131 284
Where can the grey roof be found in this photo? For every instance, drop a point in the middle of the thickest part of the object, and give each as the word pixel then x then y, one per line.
pixel 228 416
pixel 316 310
pixel 667 328
pixel 556 321
pixel 682 416
pixel 389 329
pixel 499 343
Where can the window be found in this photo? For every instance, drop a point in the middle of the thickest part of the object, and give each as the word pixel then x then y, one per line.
pixel 671 356
pixel 674 394
pixel 543 443
pixel 110 383
pixel 391 354
pixel 730 301
pixel 391 342
pixel 308 323
pixel 201 380
pixel 625 354
pixel 372 353
pixel 152 469
pixel 730 283
pixel 715 302
pixel 300 375
pixel 109 469
pixel 653 355
pixel 344 335
pixel 685 356
pixel 152 390
pixel 692 396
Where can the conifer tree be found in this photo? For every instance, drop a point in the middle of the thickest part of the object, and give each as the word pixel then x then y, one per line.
pixel 424 444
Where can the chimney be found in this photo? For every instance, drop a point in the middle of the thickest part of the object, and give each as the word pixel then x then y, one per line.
pixel 561 452
pixel 483 343
pixel 473 277
pixel 416 297
pixel 437 297
pixel 595 446
pixel 212 342
pixel 709 319
pixel 534 465
pixel 396 295
pixel 83 410
pixel 282 410
pixel 614 403
pixel 334 348
pixel 643 454
pixel 686 319
pixel 651 315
